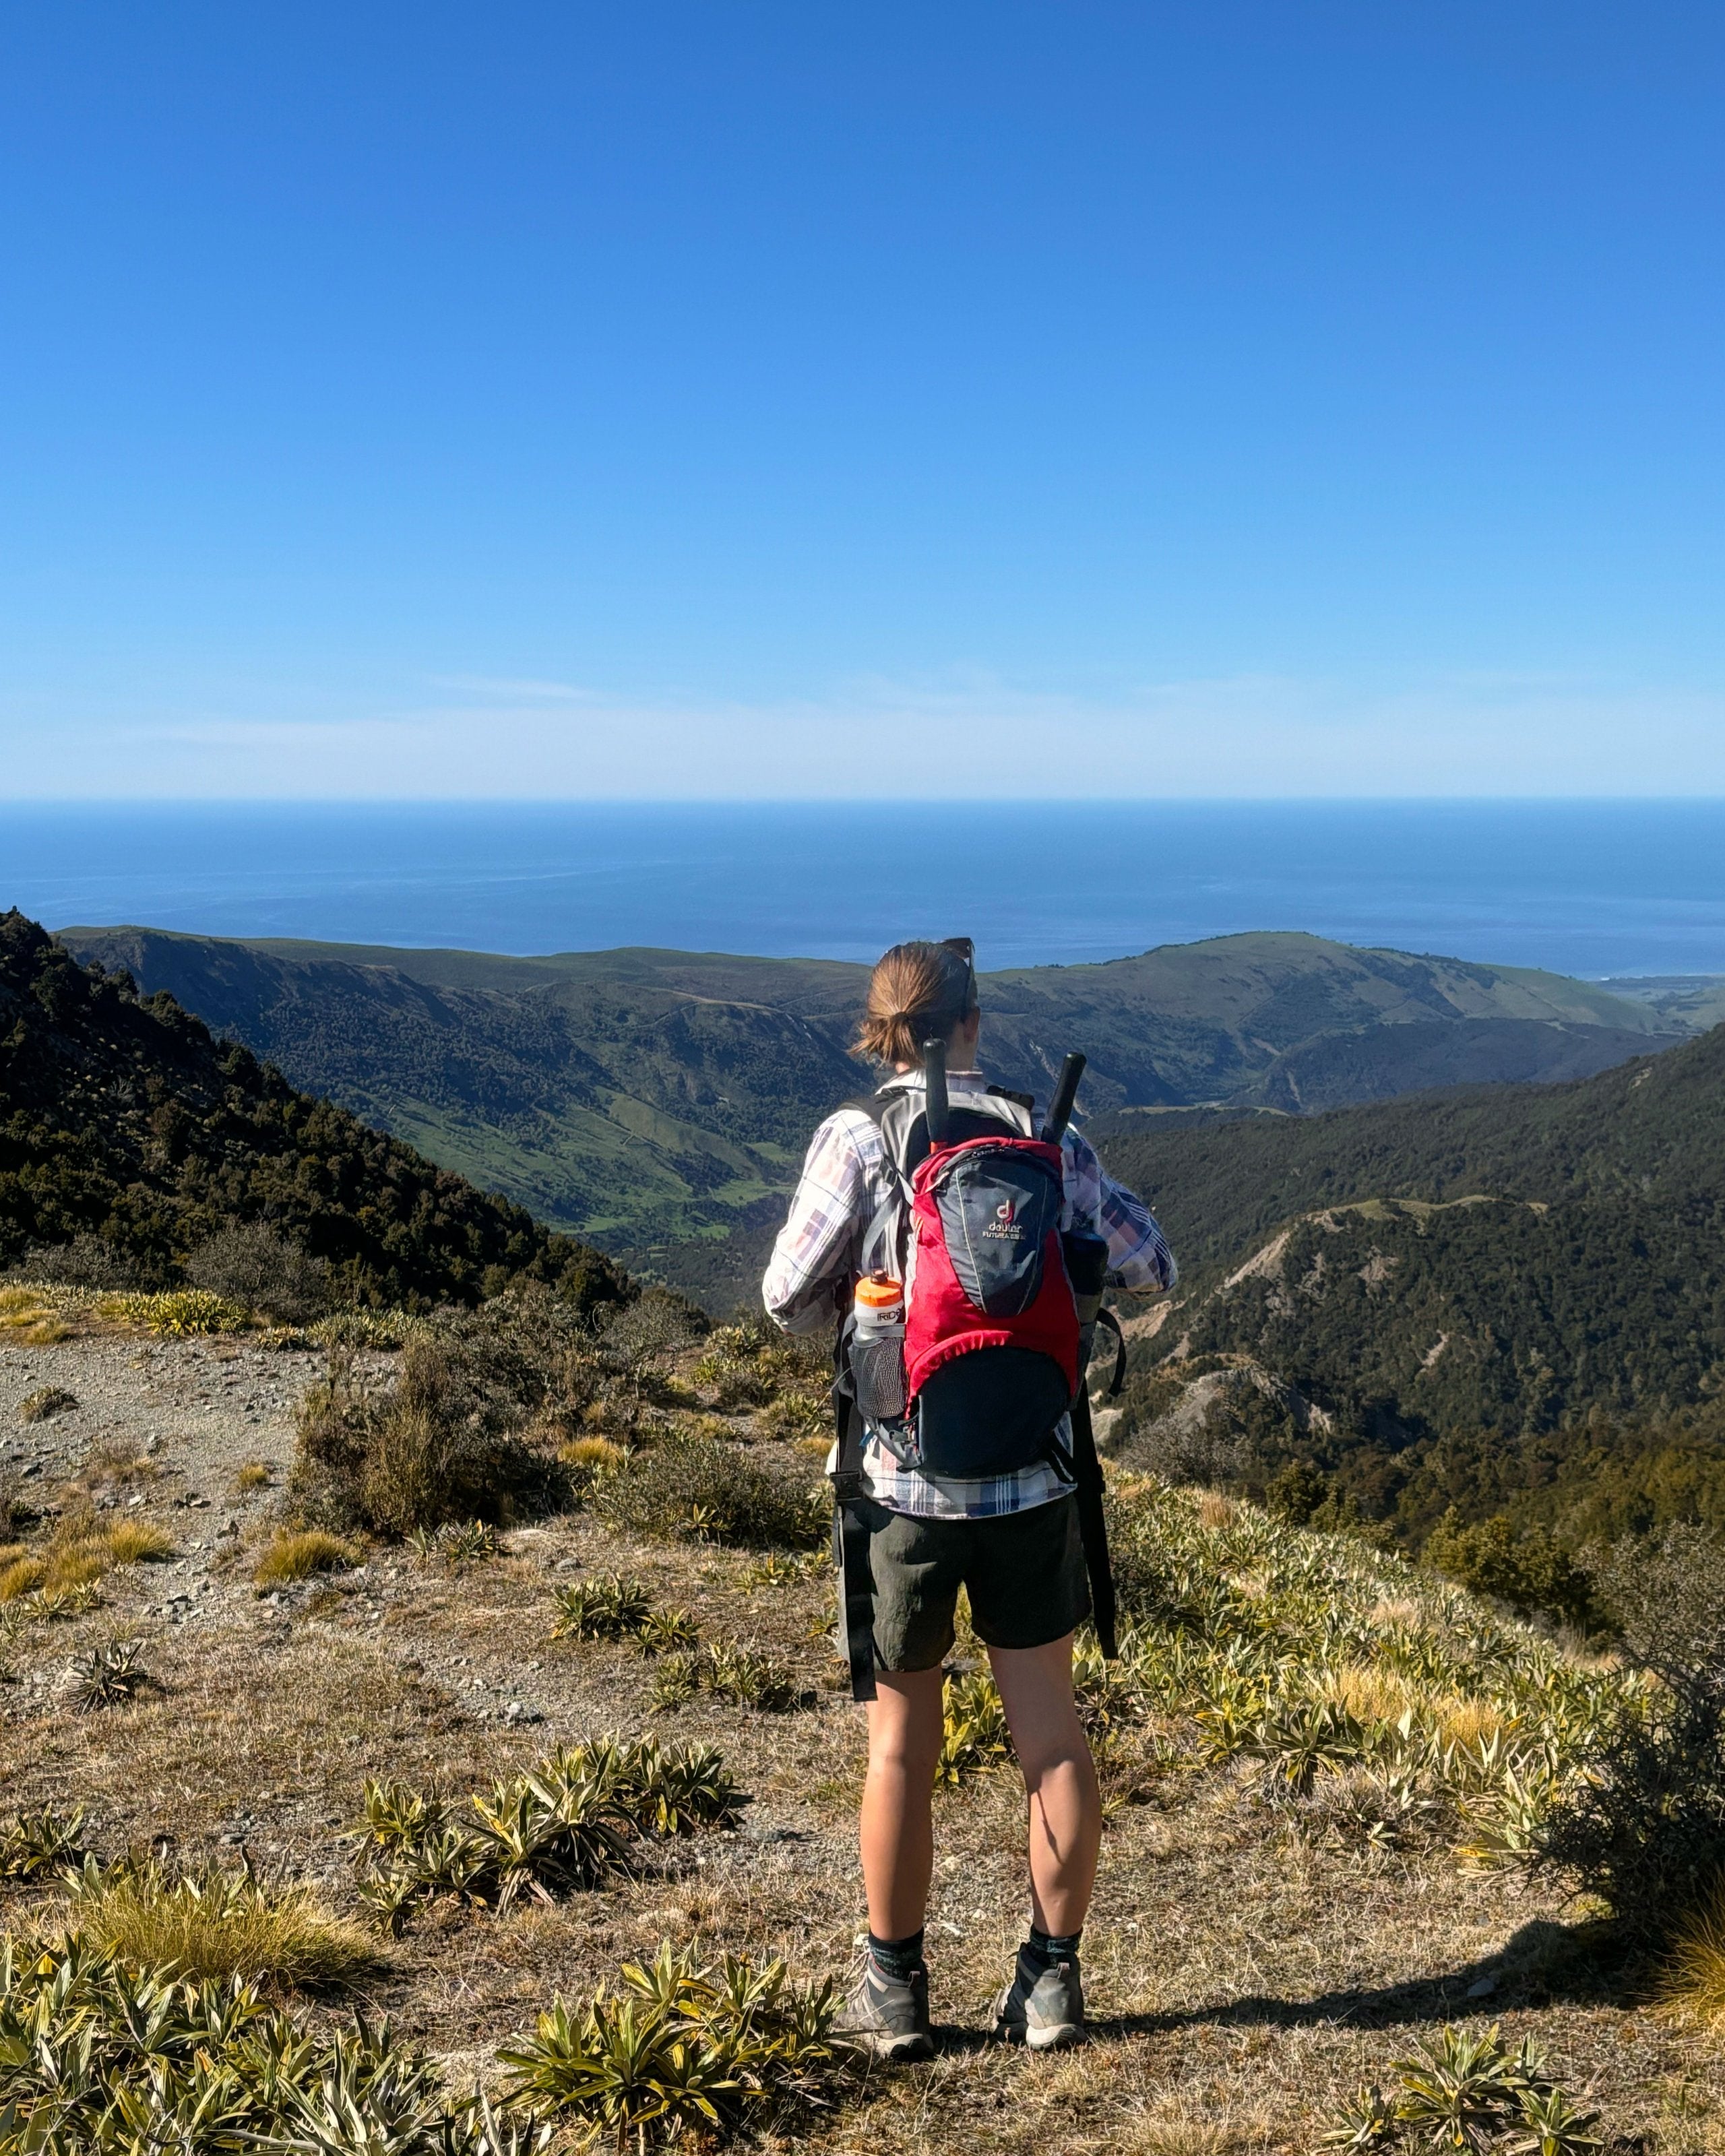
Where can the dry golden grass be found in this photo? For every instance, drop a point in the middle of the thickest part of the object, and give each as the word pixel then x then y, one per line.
pixel 292 1557
pixel 29 1319
pixel 209 1925
pixel 1472 1722
pixel 1216 1510
pixel 591 1453
pixel 80 1566
pixel 23 1576
pixel 251 1474
pixel 138 1541
pixel 1397 1612
pixel 1693 1978
pixel 1369 1695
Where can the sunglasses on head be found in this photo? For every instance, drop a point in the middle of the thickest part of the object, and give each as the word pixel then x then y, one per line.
pixel 965 948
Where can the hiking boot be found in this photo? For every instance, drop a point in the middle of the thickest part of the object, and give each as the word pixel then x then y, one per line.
pixel 1043 2007
pixel 887 2015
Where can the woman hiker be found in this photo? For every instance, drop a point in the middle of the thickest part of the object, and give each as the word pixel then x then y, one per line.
pixel 1011 1539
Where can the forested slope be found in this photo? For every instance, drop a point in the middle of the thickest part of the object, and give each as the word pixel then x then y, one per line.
pixel 1485 1296
pixel 124 1119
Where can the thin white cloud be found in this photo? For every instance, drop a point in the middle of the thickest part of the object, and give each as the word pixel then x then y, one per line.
pixel 961 735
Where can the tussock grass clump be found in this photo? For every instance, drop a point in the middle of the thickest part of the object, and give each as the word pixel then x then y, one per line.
pixel 296 1555
pixel 682 2049
pixel 562 1825
pixel 251 1476
pixel 138 1541
pixel 44 1403
pixel 591 1456
pixel 31 1317
pixel 62 1576
pixel 218 1926
pixel 21 1575
pixel 687 1487
pixel 1692 1976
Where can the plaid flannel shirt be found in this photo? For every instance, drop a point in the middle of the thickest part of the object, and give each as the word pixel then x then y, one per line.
pixel 845 1177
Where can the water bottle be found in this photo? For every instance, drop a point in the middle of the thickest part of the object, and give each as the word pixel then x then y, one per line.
pixel 1086 1256
pixel 877 1346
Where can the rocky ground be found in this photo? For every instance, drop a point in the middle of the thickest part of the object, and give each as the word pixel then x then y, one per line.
pixel 1243 1976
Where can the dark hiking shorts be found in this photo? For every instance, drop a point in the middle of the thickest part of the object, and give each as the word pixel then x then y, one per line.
pixel 1024 1572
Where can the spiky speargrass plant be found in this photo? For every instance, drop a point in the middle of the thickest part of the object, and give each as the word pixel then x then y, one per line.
pixel 1465 2093
pixel 111 1672
pixel 734 1670
pixel 559 1827
pixel 101 2055
pixel 612 1608
pixel 36 1846
pixel 675 1682
pixel 667 1632
pixel 681 2048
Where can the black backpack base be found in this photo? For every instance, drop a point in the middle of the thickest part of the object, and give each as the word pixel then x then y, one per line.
pixel 990 1412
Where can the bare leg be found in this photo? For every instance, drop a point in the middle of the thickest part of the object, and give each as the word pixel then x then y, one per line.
pixel 1060 1780
pixel 897 1820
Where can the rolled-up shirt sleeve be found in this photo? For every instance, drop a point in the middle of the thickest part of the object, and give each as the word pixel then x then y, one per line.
pixel 822 1231
pixel 1138 1254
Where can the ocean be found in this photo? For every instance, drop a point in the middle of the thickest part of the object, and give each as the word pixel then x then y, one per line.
pixel 1591 888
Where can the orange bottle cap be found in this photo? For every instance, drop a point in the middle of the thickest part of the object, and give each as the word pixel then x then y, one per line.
pixel 878 1291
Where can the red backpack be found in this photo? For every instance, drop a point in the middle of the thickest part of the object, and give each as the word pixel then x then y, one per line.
pixel 990 1358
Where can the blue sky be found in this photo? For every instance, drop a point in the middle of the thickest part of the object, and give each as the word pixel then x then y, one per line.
pixel 768 399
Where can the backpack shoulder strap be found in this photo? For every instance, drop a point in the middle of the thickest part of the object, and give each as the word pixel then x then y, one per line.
pixel 1027 1101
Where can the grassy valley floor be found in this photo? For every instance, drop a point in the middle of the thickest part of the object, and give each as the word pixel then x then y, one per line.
pixel 1246 1969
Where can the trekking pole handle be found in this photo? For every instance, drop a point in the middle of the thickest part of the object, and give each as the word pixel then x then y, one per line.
pixel 1060 1113
pixel 937 1111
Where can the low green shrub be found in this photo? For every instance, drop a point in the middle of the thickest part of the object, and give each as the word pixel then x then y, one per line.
pixel 443 1444
pixel 254 1266
pixel 1520 1565
pixel 1641 1824
pixel 692 1488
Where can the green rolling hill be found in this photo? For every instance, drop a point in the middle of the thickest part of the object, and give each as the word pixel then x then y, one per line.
pixel 659 1101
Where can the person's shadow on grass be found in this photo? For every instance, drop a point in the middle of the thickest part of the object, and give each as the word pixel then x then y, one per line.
pixel 1543 1963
